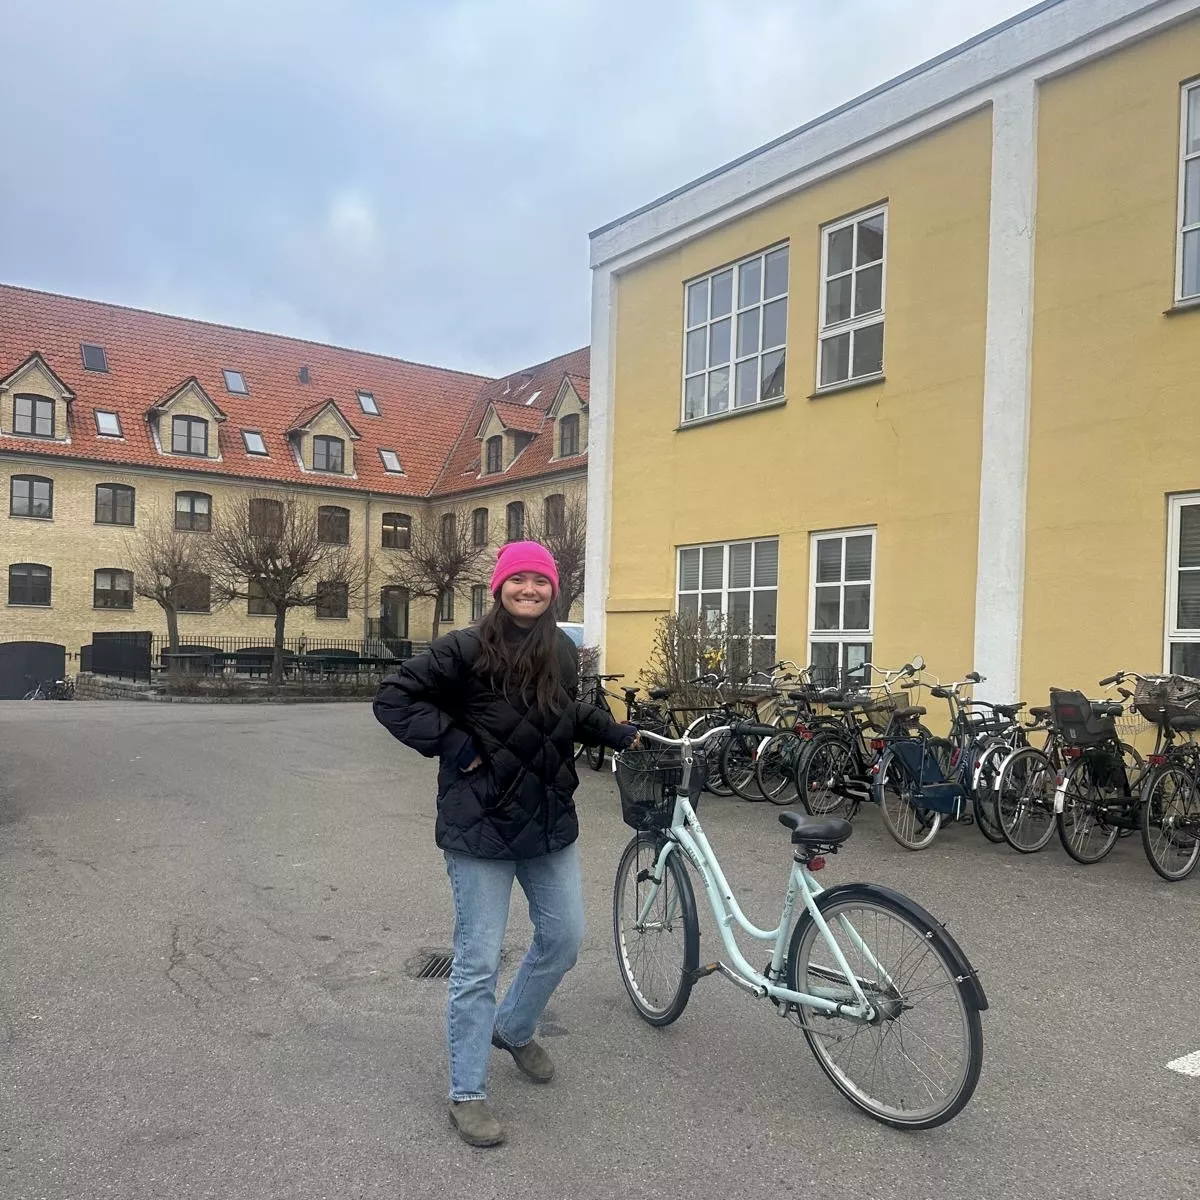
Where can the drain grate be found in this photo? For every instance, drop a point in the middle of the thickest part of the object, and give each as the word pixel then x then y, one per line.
pixel 434 965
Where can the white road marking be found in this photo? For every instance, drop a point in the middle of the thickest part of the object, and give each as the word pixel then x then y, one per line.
pixel 1189 1064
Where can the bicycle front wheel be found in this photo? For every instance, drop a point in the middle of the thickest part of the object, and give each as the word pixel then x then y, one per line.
pixel 1171 822
pixel 775 770
pixel 826 774
pixel 913 827
pixel 1025 800
pixel 658 954
pixel 985 770
pixel 738 760
pixel 916 1063
pixel 1085 827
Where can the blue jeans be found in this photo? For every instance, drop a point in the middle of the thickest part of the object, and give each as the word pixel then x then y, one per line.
pixel 482 888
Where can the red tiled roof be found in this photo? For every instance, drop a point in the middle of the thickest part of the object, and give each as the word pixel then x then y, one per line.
pixel 539 386
pixel 423 409
pixel 307 415
pixel 518 417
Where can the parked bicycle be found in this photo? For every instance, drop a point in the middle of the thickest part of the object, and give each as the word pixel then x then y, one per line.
pixel 886 999
pixel 50 689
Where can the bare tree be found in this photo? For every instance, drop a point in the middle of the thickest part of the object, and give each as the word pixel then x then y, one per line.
pixel 441 557
pixel 269 551
pixel 170 566
pixel 562 529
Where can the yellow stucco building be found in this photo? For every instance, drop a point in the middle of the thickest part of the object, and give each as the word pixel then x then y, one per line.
pixel 918 377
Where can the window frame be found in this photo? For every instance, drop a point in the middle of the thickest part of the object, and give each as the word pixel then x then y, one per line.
pixel 497 440
pixel 326 511
pixel 479 528
pixel 446 606
pixel 321 608
pixel 396 528
pixel 262 505
pixel 398 469
pixel 404 604
pixel 511 508
pixel 228 373
pixel 852 324
pixel 1182 230
pixel 700 591
pixel 191 510
pixel 117 490
pixel 49 577
pixel 112 590
pixel 842 637
pixel 190 423
pixel 257 605
pixel 554 515
pixel 106 412
pixel 563 426
pixel 183 584
pixel 366 398
pixel 84 347
pixel 1172 633
pixel 734 359
pixel 326 442
pixel 30 479
pixel 479 601
pixel 36 401
pixel 247 434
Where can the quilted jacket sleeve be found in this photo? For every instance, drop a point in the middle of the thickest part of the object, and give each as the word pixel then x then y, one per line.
pixel 415 702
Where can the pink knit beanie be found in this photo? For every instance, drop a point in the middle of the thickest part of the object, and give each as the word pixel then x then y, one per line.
pixel 524 556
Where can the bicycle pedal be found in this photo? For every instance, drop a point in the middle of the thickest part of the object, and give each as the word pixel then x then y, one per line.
pixel 700 972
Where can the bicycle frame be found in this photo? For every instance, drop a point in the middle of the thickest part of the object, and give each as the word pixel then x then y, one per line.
pixel 686 835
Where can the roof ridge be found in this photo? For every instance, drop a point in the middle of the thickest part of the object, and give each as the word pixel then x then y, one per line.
pixel 280 337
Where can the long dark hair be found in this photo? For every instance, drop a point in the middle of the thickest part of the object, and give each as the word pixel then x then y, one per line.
pixel 520 660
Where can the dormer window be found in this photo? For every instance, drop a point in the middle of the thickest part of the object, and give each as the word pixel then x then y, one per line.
pixel 33 416
pixel 94 358
pixel 391 462
pixel 108 424
pixel 235 383
pixel 253 441
pixel 329 454
pixel 189 435
pixel 568 436
pixel 366 401
pixel 493 455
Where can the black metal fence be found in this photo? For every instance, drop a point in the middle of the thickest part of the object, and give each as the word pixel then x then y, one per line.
pixel 121 655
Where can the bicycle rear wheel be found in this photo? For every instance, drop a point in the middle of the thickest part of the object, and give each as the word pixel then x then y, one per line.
pixel 739 758
pixel 1171 822
pixel 658 957
pixel 985 768
pixel 917 1063
pixel 1025 800
pixel 913 827
pixel 825 773
pixel 776 766
pixel 1084 828
pixel 714 779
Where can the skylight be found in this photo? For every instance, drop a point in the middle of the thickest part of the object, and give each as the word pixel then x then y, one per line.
pixel 94 358
pixel 108 424
pixel 253 441
pixel 235 383
pixel 391 462
pixel 534 396
pixel 366 401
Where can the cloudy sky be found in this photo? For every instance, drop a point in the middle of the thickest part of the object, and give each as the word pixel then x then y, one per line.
pixel 415 177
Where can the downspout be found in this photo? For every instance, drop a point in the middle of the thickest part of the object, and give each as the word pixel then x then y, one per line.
pixel 367 572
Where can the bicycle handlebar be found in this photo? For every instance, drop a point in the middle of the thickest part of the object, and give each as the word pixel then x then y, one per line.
pixel 753 728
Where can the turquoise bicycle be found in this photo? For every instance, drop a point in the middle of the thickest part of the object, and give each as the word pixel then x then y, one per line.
pixel 884 996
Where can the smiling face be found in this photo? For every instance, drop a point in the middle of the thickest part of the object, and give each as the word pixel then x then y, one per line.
pixel 526 596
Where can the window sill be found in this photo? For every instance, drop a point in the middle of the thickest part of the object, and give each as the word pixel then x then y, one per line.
pixel 319 617
pixel 112 607
pixel 1181 306
pixel 849 385
pixel 29 517
pixel 19 604
pixel 123 525
pixel 728 414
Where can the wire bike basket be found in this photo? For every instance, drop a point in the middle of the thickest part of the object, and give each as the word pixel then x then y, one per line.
pixel 1172 696
pixel 647 781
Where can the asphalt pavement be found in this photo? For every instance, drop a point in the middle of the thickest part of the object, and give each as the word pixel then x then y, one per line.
pixel 208 920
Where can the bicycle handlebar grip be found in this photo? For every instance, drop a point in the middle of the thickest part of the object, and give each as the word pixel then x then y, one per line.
pixel 1112 679
pixel 755 729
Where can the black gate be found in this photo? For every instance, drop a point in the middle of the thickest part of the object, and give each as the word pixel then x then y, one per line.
pixel 23 665
pixel 124 655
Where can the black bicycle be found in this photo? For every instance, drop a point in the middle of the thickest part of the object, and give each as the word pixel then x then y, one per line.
pixel 50 689
pixel 651 713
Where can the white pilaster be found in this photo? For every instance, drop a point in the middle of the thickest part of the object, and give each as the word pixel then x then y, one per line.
pixel 1000 576
pixel 600 461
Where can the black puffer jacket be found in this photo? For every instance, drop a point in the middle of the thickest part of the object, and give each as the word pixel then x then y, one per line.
pixel 519 803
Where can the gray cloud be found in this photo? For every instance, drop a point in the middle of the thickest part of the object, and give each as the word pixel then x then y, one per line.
pixel 415 177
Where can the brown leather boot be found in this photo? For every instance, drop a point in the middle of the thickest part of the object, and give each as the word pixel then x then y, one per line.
pixel 531 1058
pixel 475 1123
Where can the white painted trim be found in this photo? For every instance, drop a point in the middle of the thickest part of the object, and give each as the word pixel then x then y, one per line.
pixel 1171 632
pixel 851 324
pixel 1180 229
pixel 600 461
pixel 1004 463
pixel 839 637
pixel 1043 42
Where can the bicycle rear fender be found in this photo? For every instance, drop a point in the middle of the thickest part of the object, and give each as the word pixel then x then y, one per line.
pixel 968 982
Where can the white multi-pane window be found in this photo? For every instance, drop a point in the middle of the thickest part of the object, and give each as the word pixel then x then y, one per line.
pixel 1182 651
pixel 737 581
pixel 853 276
pixel 1187 271
pixel 735 331
pixel 841 604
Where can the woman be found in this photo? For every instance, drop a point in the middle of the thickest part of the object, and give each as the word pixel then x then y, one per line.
pixel 496 704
